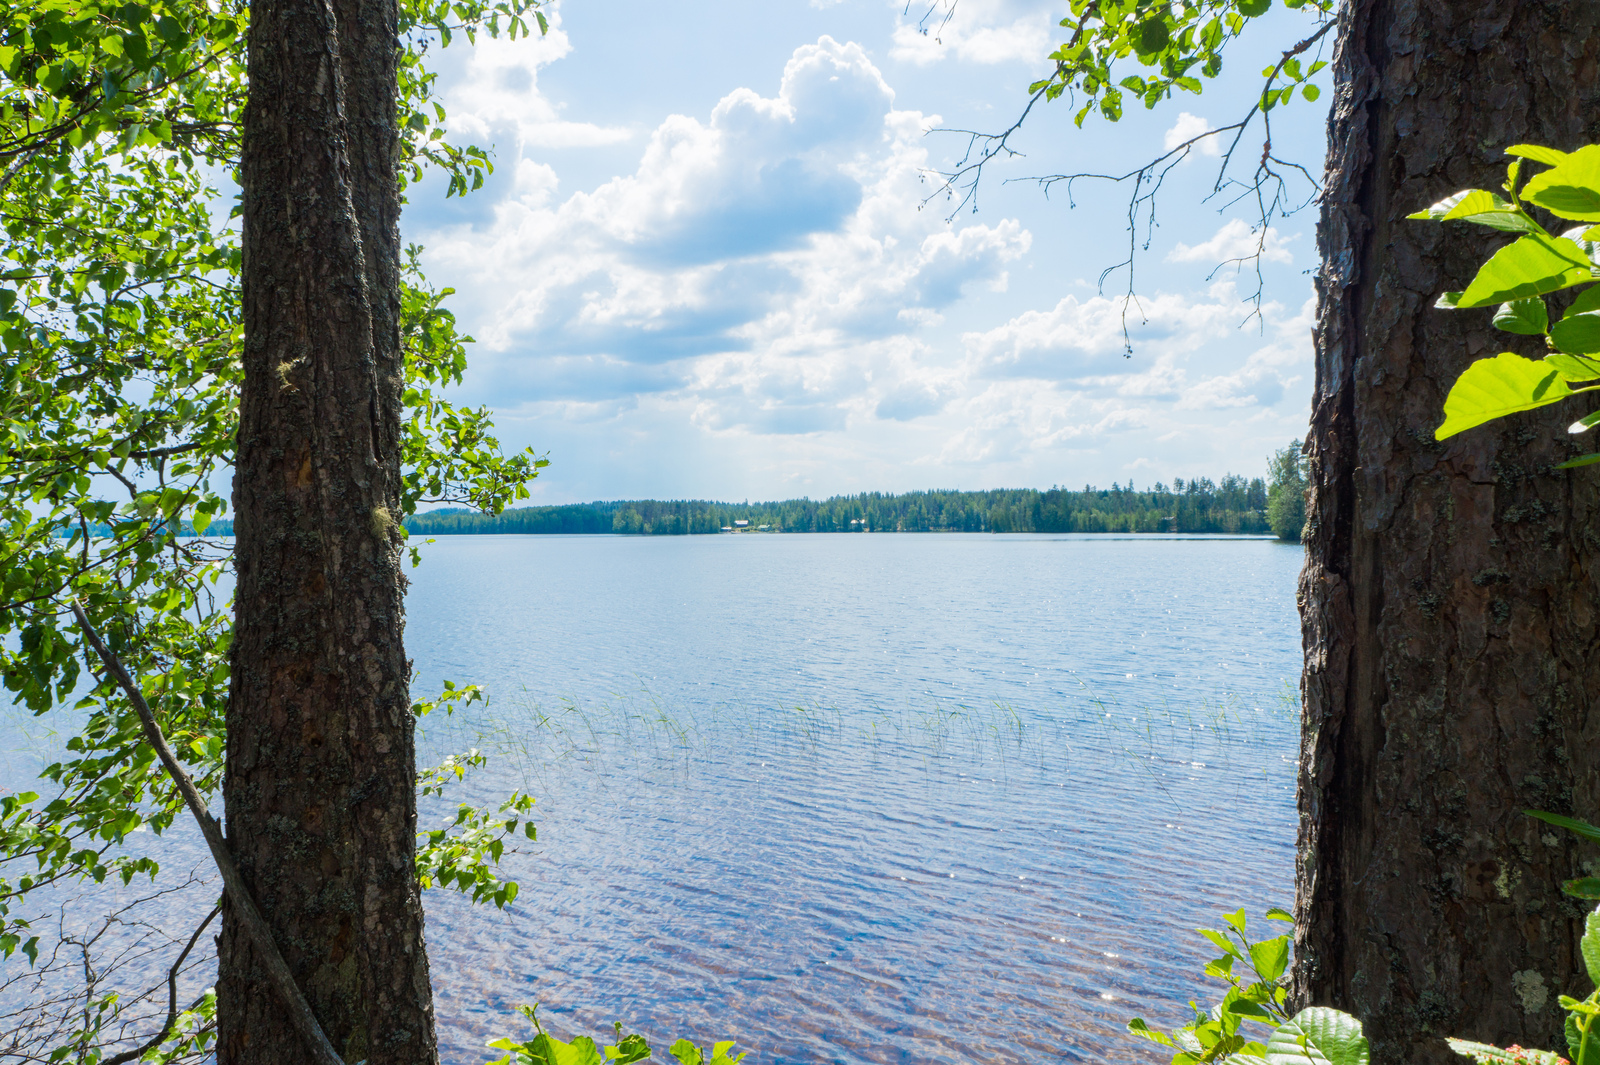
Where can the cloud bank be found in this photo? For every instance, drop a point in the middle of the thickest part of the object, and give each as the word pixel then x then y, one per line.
pixel 759 305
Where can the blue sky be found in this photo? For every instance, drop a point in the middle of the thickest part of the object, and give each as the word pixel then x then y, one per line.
pixel 707 265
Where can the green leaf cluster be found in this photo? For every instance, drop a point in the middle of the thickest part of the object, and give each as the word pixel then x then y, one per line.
pixel 466 853
pixel 1517 280
pixel 120 339
pixel 1172 46
pixel 546 1049
pixel 1258 994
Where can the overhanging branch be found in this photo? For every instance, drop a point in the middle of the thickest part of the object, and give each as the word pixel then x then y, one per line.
pixel 300 1015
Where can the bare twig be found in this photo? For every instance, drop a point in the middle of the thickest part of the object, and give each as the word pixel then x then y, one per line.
pixel 922 23
pixel 300 1015
pixel 172 999
pixel 1267 183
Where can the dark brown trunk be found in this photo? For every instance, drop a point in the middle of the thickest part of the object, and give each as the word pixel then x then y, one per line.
pixel 320 785
pixel 1448 596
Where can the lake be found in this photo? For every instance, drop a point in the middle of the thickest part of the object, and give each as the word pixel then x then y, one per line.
pixel 871 798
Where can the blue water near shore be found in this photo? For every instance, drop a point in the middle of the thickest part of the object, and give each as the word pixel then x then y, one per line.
pixel 862 798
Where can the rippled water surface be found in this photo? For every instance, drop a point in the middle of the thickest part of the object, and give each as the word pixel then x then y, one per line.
pixel 862 798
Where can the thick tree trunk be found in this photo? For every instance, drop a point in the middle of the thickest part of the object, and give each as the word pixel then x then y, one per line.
pixel 1448 600
pixel 320 788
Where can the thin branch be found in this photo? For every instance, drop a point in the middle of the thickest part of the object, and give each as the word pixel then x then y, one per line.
pixel 300 1015
pixel 172 998
pixel 1148 178
pixel 922 23
pixel 992 145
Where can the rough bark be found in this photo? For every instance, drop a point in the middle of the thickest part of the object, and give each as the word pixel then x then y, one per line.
pixel 320 773
pixel 1448 600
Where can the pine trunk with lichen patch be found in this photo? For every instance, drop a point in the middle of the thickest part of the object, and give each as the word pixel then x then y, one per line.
pixel 1448 602
pixel 320 774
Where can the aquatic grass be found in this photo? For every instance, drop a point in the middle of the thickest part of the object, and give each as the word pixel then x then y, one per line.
pixel 635 734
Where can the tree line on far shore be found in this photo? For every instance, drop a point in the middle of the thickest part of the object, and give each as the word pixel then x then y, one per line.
pixel 1233 505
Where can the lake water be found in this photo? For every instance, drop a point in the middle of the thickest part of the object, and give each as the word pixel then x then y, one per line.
pixel 863 798
pixel 855 799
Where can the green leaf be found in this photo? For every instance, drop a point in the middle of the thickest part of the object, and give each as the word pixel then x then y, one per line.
pixel 1318 1036
pixel 1447 301
pixel 545 1049
pixel 1253 8
pixel 1590 946
pixel 1144 1031
pixel 1575 367
pixel 632 1048
pixel 1582 460
pixel 1584 887
pixel 1527 317
pixel 1278 914
pixel 686 1052
pixel 1245 1008
pixel 1577 334
pixel 1271 957
pixel 1223 942
pixel 1310 92
pixel 1481 208
pixel 1493 388
pixel 1485 1054
pixel 1471 202
pixel 1151 36
pixel 1588 300
pixel 1571 824
pixel 1570 189
pixel 1537 153
pixel 719 1053
pixel 1531 266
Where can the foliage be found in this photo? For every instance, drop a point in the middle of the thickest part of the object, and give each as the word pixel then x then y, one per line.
pixel 1200 505
pixel 1258 994
pixel 1286 493
pixel 121 333
pixel 1177 43
pixel 546 1049
pixel 465 853
pixel 1517 280
pixel 1316 1035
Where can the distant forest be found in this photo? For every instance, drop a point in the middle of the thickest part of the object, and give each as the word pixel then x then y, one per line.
pixel 1235 505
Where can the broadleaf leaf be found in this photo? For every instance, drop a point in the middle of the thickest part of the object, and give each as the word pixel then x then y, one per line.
pixel 1538 153
pixel 1492 388
pixel 1527 317
pixel 1318 1035
pixel 1570 189
pixel 1577 334
pixel 1532 266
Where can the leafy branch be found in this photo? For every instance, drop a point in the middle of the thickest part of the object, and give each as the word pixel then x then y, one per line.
pixel 1517 279
pixel 1178 45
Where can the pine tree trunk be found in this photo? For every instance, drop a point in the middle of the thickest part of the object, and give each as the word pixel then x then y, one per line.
pixel 320 782
pixel 1448 600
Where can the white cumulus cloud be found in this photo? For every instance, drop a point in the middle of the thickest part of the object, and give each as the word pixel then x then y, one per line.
pixel 1187 128
pixel 975 31
pixel 765 265
pixel 498 95
pixel 1235 240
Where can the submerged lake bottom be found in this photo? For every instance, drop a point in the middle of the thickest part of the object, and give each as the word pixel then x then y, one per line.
pixel 859 799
